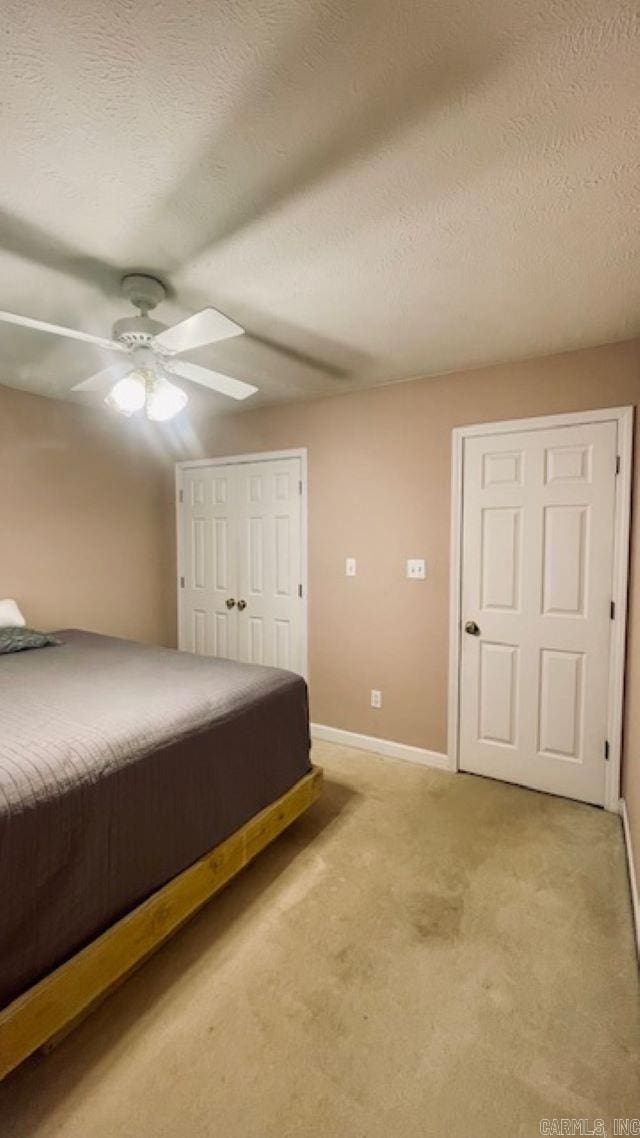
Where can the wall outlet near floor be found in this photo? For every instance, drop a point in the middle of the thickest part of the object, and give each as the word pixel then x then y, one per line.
pixel 351 566
pixel 416 569
pixel 376 698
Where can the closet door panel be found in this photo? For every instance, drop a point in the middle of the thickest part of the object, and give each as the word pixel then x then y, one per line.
pixel 209 624
pixel 269 565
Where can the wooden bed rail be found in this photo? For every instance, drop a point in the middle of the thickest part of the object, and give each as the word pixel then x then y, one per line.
pixel 64 995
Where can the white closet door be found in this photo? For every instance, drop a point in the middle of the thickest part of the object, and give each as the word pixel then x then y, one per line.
pixel 538 532
pixel 269 564
pixel 209 558
pixel 241 561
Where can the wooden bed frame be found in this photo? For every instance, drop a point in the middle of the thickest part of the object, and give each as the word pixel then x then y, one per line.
pixel 52 1006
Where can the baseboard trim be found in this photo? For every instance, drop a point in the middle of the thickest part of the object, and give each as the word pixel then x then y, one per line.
pixel 633 880
pixel 380 746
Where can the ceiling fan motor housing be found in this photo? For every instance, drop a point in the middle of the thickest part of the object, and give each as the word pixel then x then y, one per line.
pixel 137 331
pixel 144 293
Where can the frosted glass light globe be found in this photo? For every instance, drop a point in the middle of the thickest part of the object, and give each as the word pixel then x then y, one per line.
pixel 165 400
pixel 128 395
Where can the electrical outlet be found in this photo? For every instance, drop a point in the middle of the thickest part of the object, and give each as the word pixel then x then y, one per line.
pixel 416 569
pixel 351 566
pixel 376 698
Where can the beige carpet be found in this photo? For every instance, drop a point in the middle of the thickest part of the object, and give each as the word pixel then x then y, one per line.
pixel 422 954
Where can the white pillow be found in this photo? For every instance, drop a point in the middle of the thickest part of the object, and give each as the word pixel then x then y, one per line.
pixel 10 615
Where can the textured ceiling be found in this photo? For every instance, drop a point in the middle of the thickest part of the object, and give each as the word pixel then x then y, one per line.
pixel 375 189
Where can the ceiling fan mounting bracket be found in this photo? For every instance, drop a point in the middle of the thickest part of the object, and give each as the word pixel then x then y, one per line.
pixel 143 292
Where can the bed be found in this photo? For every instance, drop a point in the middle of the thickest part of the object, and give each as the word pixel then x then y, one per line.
pixel 134 782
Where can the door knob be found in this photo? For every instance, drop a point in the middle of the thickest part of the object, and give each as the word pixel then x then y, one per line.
pixel 472 628
pixel 242 605
pixel 230 602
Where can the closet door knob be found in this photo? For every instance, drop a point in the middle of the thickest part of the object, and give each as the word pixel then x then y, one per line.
pixel 242 605
pixel 472 628
pixel 230 602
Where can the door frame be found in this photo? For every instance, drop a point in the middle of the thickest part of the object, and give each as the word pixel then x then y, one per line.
pixel 300 453
pixel 623 416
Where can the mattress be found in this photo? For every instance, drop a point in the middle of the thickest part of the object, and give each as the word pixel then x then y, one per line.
pixel 121 765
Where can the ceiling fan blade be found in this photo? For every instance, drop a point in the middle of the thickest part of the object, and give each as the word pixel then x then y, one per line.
pixel 206 327
pixel 214 380
pixel 98 381
pixel 59 330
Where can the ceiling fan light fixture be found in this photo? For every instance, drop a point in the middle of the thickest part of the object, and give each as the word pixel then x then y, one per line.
pixel 128 395
pixel 164 400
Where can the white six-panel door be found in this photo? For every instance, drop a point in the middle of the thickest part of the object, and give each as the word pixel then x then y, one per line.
pixel 208 537
pixel 269 565
pixel 240 538
pixel 537 556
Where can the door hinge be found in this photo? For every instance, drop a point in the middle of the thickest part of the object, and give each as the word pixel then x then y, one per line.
pixel 606 749
pixel 300 487
pixel 299 590
pixel 612 610
pixel 182 582
pixel 617 464
pixel 181 496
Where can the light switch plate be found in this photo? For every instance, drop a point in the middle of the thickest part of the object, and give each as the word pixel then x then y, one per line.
pixel 416 569
pixel 351 566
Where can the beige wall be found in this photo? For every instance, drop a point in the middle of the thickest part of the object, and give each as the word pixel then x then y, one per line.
pixel 86 523
pixel 379 467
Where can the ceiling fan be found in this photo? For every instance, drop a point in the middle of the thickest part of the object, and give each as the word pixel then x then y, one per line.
pixel 153 351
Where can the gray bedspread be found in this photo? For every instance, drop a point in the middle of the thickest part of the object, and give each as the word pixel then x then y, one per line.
pixel 120 765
